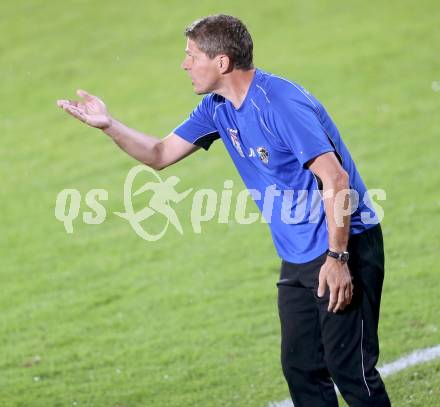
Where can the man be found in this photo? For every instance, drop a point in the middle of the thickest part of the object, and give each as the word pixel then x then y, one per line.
pixel 279 134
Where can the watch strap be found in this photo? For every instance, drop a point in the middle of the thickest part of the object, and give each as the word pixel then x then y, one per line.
pixel 341 256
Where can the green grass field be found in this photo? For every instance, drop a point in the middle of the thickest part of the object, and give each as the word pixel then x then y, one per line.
pixel 101 317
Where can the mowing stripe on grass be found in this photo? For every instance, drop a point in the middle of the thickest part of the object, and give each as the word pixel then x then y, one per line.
pixel 414 358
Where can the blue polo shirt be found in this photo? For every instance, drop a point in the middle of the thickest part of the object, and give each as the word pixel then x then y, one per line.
pixel 278 128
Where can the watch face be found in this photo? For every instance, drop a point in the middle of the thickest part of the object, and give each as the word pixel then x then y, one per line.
pixel 344 256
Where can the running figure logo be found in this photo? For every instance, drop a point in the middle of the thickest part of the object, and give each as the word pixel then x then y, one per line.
pixel 163 194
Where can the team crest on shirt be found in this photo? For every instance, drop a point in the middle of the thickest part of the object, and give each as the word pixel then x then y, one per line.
pixel 263 154
pixel 235 141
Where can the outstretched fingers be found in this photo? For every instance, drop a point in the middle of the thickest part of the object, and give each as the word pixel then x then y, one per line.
pixel 75 112
pixel 82 93
pixel 64 102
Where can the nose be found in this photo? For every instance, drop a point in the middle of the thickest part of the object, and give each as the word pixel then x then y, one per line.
pixel 185 65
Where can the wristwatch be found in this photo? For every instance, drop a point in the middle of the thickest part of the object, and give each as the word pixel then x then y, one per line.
pixel 341 256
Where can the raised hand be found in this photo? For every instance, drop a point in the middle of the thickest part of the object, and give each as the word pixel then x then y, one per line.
pixel 90 110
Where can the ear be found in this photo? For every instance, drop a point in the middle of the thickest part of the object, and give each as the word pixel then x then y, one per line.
pixel 224 64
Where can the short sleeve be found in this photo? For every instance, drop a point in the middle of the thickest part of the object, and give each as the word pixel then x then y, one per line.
pixel 199 128
pixel 300 129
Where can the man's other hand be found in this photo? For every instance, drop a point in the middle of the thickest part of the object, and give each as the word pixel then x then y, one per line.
pixel 337 277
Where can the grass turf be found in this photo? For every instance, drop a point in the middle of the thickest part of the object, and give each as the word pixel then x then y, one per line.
pixel 103 318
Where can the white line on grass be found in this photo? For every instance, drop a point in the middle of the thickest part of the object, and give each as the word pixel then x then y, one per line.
pixel 414 358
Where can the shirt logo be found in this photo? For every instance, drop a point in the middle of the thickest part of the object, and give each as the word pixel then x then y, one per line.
pixel 251 152
pixel 235 141
pixel 263 154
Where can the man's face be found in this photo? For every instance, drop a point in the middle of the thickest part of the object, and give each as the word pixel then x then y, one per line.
pixel 204 71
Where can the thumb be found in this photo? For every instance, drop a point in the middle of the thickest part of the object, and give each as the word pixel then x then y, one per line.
pixel 322 284
pixel 82 93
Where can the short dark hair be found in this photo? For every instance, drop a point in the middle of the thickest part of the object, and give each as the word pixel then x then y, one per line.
pixel 223 34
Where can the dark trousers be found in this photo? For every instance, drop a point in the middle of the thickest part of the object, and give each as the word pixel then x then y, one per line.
pixel 320 348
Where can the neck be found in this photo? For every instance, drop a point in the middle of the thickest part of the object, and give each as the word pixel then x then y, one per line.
pixel 235 86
